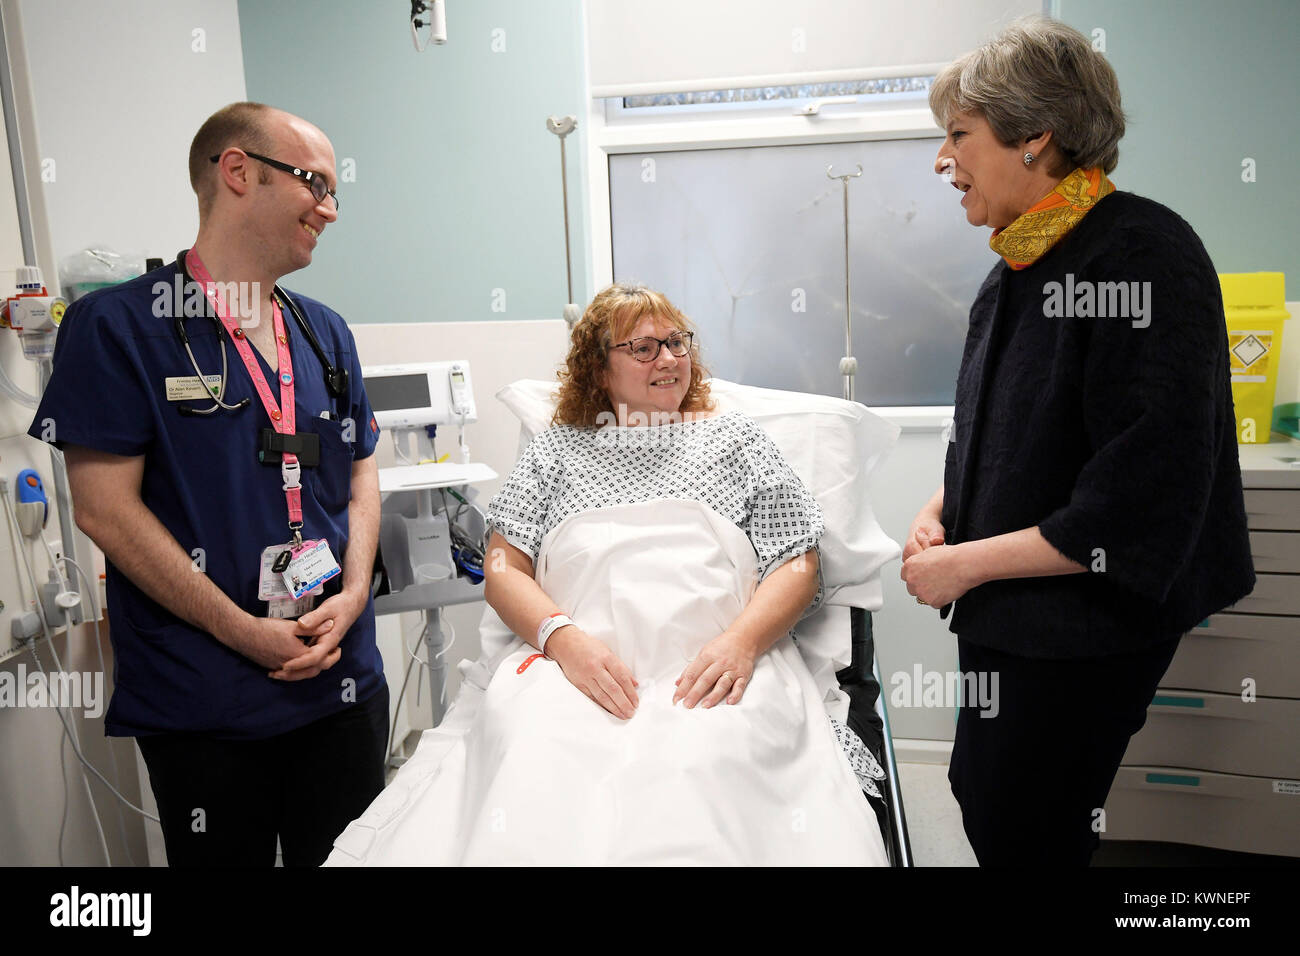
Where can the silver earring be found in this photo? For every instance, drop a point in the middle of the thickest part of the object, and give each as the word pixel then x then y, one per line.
pixel 1029 158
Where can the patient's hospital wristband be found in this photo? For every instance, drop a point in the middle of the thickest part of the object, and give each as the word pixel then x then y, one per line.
pixel 549 627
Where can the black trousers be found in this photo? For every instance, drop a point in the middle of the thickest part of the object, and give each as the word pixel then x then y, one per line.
pixel 1032 779
pixel 224 802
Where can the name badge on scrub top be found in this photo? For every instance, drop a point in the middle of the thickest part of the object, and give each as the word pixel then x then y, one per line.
pixel 311 564
pixel 182 388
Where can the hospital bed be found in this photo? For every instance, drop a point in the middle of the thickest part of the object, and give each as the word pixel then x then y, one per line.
pixel 870 721
pixel 833 445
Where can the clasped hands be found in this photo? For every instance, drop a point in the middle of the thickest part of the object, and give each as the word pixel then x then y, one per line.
pixel 720 671
pixel 278 645
pixel 936 574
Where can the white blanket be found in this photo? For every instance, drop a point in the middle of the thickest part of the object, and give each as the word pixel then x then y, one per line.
pixel 526 770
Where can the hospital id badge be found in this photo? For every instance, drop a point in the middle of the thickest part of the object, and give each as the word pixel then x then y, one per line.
pixel 310 565
pixel 270 582
pixel 287 608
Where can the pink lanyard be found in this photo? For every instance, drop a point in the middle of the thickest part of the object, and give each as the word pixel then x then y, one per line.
pixel 284 423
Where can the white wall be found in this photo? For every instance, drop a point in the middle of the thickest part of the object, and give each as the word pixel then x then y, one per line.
pixel 120 90
pixel 907 633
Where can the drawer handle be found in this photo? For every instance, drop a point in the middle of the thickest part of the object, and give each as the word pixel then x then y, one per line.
pixel 1178 779
pixel 1177 701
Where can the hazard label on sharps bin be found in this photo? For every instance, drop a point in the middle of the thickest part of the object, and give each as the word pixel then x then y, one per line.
pixel 1249 351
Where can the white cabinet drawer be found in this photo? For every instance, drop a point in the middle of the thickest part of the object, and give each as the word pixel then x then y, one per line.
pixel 1227 811
pixel 1221 733
pixel 1272 509
pixel 1273 594
pixel 1233 647
pixel 1275 551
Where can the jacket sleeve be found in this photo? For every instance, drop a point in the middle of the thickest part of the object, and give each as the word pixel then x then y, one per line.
pixel 1153 381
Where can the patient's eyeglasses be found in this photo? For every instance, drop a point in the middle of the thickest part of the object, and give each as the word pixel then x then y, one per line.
pixel 646 348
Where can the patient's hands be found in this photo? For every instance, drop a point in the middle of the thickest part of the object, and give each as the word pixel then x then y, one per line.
pixel 595 670
pixel 722 668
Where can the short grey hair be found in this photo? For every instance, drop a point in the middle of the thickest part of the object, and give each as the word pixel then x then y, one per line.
pixel 1037 75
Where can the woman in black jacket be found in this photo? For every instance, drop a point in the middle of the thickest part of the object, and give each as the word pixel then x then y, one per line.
pixel 1091 510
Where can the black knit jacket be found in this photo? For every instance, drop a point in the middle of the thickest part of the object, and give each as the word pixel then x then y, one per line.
pixel 1114 434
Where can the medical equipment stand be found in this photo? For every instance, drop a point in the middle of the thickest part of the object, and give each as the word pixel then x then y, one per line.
pixel 396 485
pixel 562 127
pixel 431 597
pixel 848 364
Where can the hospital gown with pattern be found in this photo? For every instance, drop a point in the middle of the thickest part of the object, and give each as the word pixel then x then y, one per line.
pixel 727 462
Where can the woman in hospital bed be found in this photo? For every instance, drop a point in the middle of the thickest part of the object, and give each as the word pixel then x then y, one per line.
pixel 662 553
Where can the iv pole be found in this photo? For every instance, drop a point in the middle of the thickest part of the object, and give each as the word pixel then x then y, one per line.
pixel 562 127
pixel 848 364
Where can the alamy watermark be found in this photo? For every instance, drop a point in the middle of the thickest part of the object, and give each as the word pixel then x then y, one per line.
pixel 75 908
pixel 181 299
pixel 1098 300
pixel 919 688
pixel 643 429
pixel 76 690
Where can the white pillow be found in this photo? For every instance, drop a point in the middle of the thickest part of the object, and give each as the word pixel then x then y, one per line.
pixel 833 446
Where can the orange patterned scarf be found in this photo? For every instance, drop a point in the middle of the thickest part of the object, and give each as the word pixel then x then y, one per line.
pixel 1043 225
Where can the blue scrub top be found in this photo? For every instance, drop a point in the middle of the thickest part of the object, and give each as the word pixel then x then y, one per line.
pixel 115 349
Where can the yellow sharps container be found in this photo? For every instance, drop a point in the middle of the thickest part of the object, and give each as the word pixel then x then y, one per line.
pixel 1254 304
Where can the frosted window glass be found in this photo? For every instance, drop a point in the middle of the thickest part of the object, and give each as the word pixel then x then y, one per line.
pixel 739 238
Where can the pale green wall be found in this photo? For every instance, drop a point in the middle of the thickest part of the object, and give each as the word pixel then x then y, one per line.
pixel 457 188
pixel 1207 83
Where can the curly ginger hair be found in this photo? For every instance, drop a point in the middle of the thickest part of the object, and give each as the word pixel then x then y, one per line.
pixel 610 318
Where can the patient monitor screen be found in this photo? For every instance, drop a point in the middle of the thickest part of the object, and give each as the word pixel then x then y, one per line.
pixel 390 392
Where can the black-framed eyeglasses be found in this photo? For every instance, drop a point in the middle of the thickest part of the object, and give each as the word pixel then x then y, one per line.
pixel 646 348
pixel 315 181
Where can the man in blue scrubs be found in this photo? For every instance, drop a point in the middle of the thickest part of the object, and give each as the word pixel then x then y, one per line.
pixel 253 726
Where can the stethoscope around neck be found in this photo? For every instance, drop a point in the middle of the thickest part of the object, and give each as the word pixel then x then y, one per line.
pixel 336 379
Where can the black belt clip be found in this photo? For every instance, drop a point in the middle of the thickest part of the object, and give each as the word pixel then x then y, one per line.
pixel 274 446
